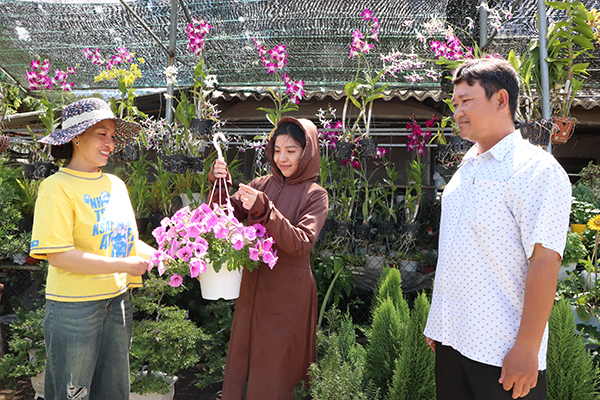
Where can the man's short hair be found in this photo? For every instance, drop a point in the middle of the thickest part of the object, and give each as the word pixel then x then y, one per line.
pixel 492 74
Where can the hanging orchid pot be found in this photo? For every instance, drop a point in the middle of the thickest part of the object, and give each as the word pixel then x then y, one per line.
pixel 195 164
pixel 458 145
pixel 177 163
pixel 343 150
pixel 343 228
pixel 367 148
pixel 362 232
pixel 132 151
pixel 28 171
pixel 537 132
pixel 562 129
pixel 201 127
pixel 385 227
pixel 43 169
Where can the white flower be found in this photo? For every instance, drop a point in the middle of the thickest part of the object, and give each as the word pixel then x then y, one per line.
pixel 171 74
pixel 168 96
pixel 211 81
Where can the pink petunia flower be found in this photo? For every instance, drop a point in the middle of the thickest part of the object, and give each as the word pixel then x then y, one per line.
pixel 175 280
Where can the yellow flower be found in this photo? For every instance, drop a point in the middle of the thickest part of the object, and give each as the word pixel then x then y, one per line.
pixel 594 223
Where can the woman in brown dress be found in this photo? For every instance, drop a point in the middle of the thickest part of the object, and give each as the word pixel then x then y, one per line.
pixel 273 340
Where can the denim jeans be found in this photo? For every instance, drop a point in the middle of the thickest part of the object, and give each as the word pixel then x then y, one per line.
pixel 87 346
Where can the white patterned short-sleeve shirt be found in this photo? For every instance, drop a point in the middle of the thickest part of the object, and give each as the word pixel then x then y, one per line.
pixel 496 207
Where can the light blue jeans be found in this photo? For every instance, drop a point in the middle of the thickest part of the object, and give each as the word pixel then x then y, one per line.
pixel 87 346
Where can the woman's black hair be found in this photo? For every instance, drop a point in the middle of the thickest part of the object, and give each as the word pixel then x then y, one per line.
pixel 289 128
pixel 62 151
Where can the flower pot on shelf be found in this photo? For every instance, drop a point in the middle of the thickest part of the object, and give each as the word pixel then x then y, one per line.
pixel 578 228
pixel 562 129
pixel 201 127
pixel 343 150
pixel 177 163
pixel 409 265
pixel 195 164
pixel 155 220
pixel 224 284
pixel 367 148
pixel 457 144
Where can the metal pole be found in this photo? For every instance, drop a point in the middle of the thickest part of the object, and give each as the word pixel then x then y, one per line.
pixel 172 45
pixel 482 24
pixel 545 82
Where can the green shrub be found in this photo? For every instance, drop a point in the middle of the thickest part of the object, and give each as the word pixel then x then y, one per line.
pixel 340 373
pixel 387 334
pixel 414 377
pixel 571 373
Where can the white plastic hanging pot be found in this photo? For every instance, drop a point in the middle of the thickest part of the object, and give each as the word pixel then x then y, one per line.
pixel 224 284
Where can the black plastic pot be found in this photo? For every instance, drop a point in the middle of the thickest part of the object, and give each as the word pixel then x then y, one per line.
pixel 344 228
pixel 201 127
pixel 195 164
pixel 343 150
pixel 132 151
pixel 385 227
pixel 43 169
pixel 367 148
pixel 177 163
pixel 28 171
pixel 362 232
pixel 537 132
pixel 155 219
pixel 142 225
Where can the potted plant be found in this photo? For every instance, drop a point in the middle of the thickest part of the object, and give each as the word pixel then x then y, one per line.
pixel 413 196
pixel 362 91
pixel 161 196
pixel 27 353
pixel 385 226
pixel 164 341
pixel 205 113
pixel 372 197
pixel 568 39
pixel 581 212
pixel 200 242
pixel 139 193
pixel 574 251
pixel 275 60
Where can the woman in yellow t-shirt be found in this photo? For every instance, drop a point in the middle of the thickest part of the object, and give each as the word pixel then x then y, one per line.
pixel 84 226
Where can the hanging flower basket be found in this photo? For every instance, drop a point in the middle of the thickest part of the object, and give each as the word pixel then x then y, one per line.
pixel 177 163
pixel 132 151
pixel 224 284
pixel 343 150
pixel 367 148
pixel 562 129
pixel 201 127
pixel 28 171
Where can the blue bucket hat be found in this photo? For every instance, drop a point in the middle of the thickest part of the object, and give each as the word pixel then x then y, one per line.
pixel 81 114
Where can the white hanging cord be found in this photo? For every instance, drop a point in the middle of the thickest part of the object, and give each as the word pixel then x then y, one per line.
pixel 221 181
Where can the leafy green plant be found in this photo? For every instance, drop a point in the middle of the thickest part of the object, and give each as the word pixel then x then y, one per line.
pixel 334 281
pixel 161 192
pixel 574 249
pixel 571 373
pixel 387 201
pixel 27 194
pixel 372 195
pixel 581 212
pixel 165 340
pixel 339 372
pixel 414 190
pixel 27 353
pixel 590 177
pixel 217 320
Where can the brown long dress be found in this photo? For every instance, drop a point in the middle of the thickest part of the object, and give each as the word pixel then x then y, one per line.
pixel 273 340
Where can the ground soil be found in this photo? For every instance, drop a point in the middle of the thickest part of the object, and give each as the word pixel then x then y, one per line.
pixel 185 389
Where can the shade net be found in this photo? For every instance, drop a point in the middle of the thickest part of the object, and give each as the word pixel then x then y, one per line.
pixel 317 34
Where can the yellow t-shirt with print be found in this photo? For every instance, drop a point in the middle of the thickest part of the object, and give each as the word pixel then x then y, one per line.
pixel 90 212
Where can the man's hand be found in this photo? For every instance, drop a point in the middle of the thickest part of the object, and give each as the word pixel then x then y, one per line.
pixel 519 371
pixel 431 343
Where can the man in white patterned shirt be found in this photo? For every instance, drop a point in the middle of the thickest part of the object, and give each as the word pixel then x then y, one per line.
pixel 505 215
